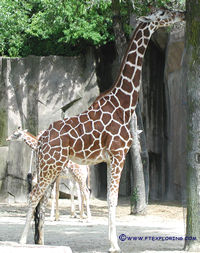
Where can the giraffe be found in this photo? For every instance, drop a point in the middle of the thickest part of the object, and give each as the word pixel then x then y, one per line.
pixel 77 175
pixel 102 132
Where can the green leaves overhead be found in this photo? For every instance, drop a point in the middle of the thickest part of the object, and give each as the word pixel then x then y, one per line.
pixel 13 23
pixel 62 27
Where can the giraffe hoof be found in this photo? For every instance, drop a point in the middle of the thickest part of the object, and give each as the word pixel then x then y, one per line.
pixel 89 219
pixel 73 216
pixel 22 241
pixel 52 219
pixel 83 217
pixel 114 250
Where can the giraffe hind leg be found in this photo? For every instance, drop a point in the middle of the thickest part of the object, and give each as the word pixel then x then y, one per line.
pixel 39 230
pixel 35 196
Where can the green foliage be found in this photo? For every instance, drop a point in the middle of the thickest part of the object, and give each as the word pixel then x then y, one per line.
pixel 134 197
pixel 61 27
pixel 44 27
pixel 142 7
pixel 71 21
pixel 13 23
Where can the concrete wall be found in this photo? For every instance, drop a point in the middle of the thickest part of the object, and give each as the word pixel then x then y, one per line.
pixel 163 104
pixel 176 117
pixel 34 89
pixel 33 92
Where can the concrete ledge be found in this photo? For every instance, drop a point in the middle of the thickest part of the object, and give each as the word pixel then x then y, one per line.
pixel 13 247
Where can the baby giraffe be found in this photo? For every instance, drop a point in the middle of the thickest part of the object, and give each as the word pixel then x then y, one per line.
pixel 77 175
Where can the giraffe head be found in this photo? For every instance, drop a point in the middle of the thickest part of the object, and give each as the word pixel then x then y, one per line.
pixel 16 134
pixel 163 17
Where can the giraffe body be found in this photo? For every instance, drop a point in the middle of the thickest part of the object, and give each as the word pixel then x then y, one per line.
pixel 77 175
pixel 102 133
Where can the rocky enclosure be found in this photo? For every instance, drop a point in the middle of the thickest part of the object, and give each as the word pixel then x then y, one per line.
pixel 35 91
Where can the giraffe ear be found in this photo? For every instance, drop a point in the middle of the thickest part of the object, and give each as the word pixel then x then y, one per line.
pixel 144 19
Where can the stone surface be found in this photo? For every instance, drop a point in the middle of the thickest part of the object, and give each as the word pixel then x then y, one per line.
pixel 175 117
pixel 3 169
pixel 15 186
pixel 13 247
pixel 162 101
pixel 33 92
pixel 3 103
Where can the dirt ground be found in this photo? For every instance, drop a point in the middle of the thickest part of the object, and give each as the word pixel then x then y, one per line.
pixel 162 229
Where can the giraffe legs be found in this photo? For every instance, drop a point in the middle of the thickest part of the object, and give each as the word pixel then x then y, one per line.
pixel 113 177
pixel 57 198
pixel 24 235
pixel 72 190
pixel 53 202
pixel 85 198
pixel 78 196
pixel 43 204
pixel 35 196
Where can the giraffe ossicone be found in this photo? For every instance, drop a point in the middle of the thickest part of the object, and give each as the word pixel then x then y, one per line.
pixel 101 133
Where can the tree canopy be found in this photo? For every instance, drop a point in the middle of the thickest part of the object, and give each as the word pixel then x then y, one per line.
pixel 66 27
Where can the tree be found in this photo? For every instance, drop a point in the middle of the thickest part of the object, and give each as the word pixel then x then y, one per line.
pixel 13 23
pixel 67 27
pixel 191 77
pixel 44 27
pixel 138 196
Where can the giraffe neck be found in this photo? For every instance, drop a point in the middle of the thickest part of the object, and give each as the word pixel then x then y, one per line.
pixel 127 86
pixel 29 139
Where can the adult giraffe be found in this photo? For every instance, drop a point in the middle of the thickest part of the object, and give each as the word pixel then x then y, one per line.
pixel 102 133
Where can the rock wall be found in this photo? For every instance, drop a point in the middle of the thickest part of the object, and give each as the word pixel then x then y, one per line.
pixel 163 106
pixel 176 118
pixel 35 91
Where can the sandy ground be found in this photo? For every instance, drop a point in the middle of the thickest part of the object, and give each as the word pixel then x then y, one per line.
pixel 162 229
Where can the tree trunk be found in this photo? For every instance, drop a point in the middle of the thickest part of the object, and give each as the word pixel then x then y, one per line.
pixel 120 39
pixel 144 152
pixel 191 75
pixel 138 196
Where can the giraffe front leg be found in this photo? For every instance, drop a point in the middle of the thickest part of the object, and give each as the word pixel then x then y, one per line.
pixel 82 215
pixel 72 190
pixel 53 202
pixel 57 198
pixel 78 196
pixel 113 178
pixel 87 202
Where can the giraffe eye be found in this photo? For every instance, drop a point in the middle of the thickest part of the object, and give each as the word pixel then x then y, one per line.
pixel 162 13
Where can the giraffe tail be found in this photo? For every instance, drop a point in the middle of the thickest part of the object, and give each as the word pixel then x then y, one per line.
pixel 29 180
